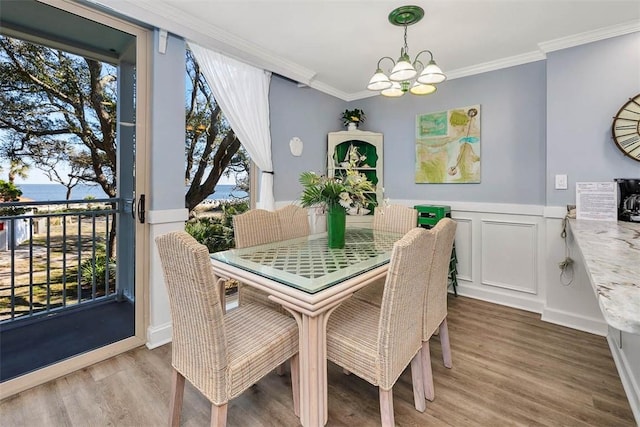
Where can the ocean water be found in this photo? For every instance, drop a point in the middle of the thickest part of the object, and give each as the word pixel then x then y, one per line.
pixel 50 192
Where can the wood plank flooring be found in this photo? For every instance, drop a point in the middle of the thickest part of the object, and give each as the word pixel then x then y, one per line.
pixel 509 369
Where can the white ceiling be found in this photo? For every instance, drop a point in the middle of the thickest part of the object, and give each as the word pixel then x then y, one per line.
pixel 334 45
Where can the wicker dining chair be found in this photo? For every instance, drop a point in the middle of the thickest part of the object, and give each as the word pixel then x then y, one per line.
pixel 435 305
pixel 257 227
pixel 394 219
pixel 252 228
pixel 378 342
pixel 294 222
pixel 222 355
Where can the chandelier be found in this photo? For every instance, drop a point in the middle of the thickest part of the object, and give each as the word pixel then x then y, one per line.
pixel 401 77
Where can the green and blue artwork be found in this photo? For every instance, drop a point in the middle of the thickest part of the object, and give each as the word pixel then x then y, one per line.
pixel 448 146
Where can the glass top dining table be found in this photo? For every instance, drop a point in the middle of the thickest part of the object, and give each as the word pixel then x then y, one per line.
pixel 310 281
pixel 308 264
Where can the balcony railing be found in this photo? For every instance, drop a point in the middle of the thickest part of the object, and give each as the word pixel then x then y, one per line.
pixel 55 256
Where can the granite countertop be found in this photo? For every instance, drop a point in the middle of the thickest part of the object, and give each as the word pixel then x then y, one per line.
pixel 611 252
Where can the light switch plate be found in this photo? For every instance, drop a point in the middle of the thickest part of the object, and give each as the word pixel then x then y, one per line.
pixel 561 182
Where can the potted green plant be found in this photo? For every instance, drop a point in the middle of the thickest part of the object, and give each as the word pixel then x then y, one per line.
pixel 353 118
pixel 336 195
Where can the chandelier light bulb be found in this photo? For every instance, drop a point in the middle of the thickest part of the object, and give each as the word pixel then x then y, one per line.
pixel 421 89
pixel 379 81
pixel 403 69
pixel 432 74
pixel 394 91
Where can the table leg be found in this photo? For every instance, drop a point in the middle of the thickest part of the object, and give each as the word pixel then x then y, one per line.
pixel 313 371
pixel 314 410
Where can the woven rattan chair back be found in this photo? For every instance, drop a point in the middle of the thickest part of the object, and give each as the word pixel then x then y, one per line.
pixel 256 227
pixel 436 297
pixel 294 222
pixel 435 303
pixel 252 228
pixel 399 340
pixel 394 218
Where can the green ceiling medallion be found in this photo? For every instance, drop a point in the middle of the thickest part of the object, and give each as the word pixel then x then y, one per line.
pixel 406 15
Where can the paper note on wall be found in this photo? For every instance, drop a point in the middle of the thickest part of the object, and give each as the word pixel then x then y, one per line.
pixel 597 201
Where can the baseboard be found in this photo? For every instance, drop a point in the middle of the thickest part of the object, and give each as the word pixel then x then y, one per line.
pixel 159 335
pixel 574 321
pixel 631 387
pixel 528 303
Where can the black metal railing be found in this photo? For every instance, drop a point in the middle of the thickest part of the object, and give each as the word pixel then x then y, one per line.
pixel 55 256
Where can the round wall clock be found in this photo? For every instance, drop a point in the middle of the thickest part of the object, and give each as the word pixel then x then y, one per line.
pixel 626 128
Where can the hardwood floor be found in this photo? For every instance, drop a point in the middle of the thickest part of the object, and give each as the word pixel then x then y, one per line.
pixel 509 368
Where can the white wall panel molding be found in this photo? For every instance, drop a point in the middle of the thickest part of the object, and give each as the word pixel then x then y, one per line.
pixel 575 321
pixel 555 212
pixel 159 329
pixel 159 335
pixel 509 255
pixel 165 216
pixel 506 297
pixel 497 208
pixel 464 248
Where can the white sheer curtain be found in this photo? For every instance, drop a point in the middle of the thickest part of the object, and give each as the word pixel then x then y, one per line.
pixel 243 94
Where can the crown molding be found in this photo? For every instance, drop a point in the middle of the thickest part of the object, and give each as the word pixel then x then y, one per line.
pixel 157 13
pixel 171 18
pixel 590 36
pixel 329 90
pixel 498 64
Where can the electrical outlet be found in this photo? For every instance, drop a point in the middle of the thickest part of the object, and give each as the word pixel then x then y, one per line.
pixel 561 182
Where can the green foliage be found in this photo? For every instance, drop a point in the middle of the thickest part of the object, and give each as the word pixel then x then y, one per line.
pixel 10 193
pixel 232 208
pixel 349 190
pixel 211 233
pixel 87 271
pixel 216 233
pixel 353 116
pixel 58 108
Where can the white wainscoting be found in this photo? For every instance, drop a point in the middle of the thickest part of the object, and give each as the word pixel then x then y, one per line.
pixel 507 255
pixel 499 257
pixel 509 258
pixel 159 326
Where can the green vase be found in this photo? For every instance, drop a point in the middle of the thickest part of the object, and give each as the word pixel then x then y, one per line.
pixel 336 223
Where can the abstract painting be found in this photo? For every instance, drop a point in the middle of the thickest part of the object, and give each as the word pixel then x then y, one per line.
pixel 448 146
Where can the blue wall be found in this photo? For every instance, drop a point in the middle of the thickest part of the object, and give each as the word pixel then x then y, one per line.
pixel 307 114
pixel 538 120
pixel 167 125
pixel 587 85
pixel 512 104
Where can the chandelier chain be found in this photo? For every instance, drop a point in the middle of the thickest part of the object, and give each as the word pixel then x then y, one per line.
pixel 406 48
